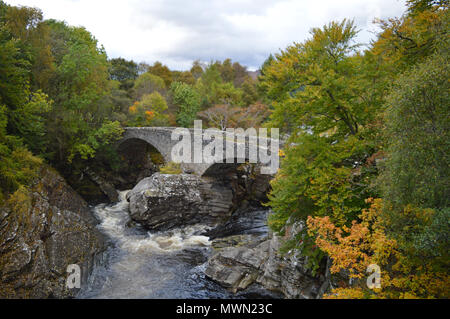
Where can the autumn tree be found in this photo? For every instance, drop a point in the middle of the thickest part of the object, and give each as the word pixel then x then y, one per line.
pixel 149 111
pixel 78 124
pixel 162 71
pixel 405 233
pixel 407 271
pixel 323 104
pixel 148 83
pixel 185 77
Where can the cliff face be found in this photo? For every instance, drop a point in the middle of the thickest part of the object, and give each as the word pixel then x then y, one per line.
pixel 45 229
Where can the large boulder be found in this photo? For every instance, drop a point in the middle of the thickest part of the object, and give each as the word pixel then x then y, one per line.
pixel 43 229
pixel 163 201
pixel 243 260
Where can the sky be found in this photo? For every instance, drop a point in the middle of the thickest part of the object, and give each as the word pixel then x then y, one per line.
pixel 178 32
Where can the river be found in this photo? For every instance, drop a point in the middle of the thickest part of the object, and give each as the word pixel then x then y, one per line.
pixel 144 265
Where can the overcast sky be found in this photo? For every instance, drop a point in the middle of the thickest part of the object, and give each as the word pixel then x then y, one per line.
pixel 177 32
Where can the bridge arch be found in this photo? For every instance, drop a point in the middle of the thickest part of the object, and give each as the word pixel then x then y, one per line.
pixel 158 138
pixel 225 167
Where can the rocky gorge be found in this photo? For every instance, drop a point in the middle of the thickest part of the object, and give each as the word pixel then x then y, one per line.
pixel 171 236
pixel 244 253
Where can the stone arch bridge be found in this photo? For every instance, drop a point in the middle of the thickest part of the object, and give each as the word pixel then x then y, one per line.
pixel 161 139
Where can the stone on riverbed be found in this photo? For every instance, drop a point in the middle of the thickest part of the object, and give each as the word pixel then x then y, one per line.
pixel 163 201
pixel 259 261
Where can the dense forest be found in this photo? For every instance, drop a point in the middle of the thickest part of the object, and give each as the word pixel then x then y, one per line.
pixel 366 160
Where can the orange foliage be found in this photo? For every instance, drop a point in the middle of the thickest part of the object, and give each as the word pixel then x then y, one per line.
pixel 133 109
pixel 364 243
pixel 149 115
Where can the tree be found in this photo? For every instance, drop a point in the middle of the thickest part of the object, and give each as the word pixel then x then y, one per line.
pixel 324 104
pixel 220 116
pixel 77 88
pixel 156 107
pixel 249 92
pixel 240 74
pixel 28 121
pixel 27 26
pixel 126 72
pixel 417 168
pixel 214 90
pixel 412 38
pixel 407 272
pixel 162 71
pixel 148 83
pixel 187 100
pixel 253 115
pixel 143 68
pixel 417 6
pixel 226 70
pixel 14 71
pixel 185 77
pixel 196 70
pixel 224 116
pixel 18 166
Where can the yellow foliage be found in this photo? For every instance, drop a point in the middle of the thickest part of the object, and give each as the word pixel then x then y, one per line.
pixel 20 202
pixel 171 168
pixel 364 243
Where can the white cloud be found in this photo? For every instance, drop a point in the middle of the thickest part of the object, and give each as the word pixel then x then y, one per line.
pixel 177 32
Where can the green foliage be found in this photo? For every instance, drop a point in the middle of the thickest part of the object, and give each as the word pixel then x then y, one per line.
pixel 78 87
pixel 28 121
pixel 210 79
pixel 185 77
pixel 417 169
pixel 123 71
pixel 412 38
pixel 13 71
pixel 17 165
pixel 187 100
pixel 322 103
pixel 416 6
pixel 106 135
pixel 321 99
pixel 433 241
pixel 346 117
pixel 249 92
pixel 217 85
pixel 196 70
